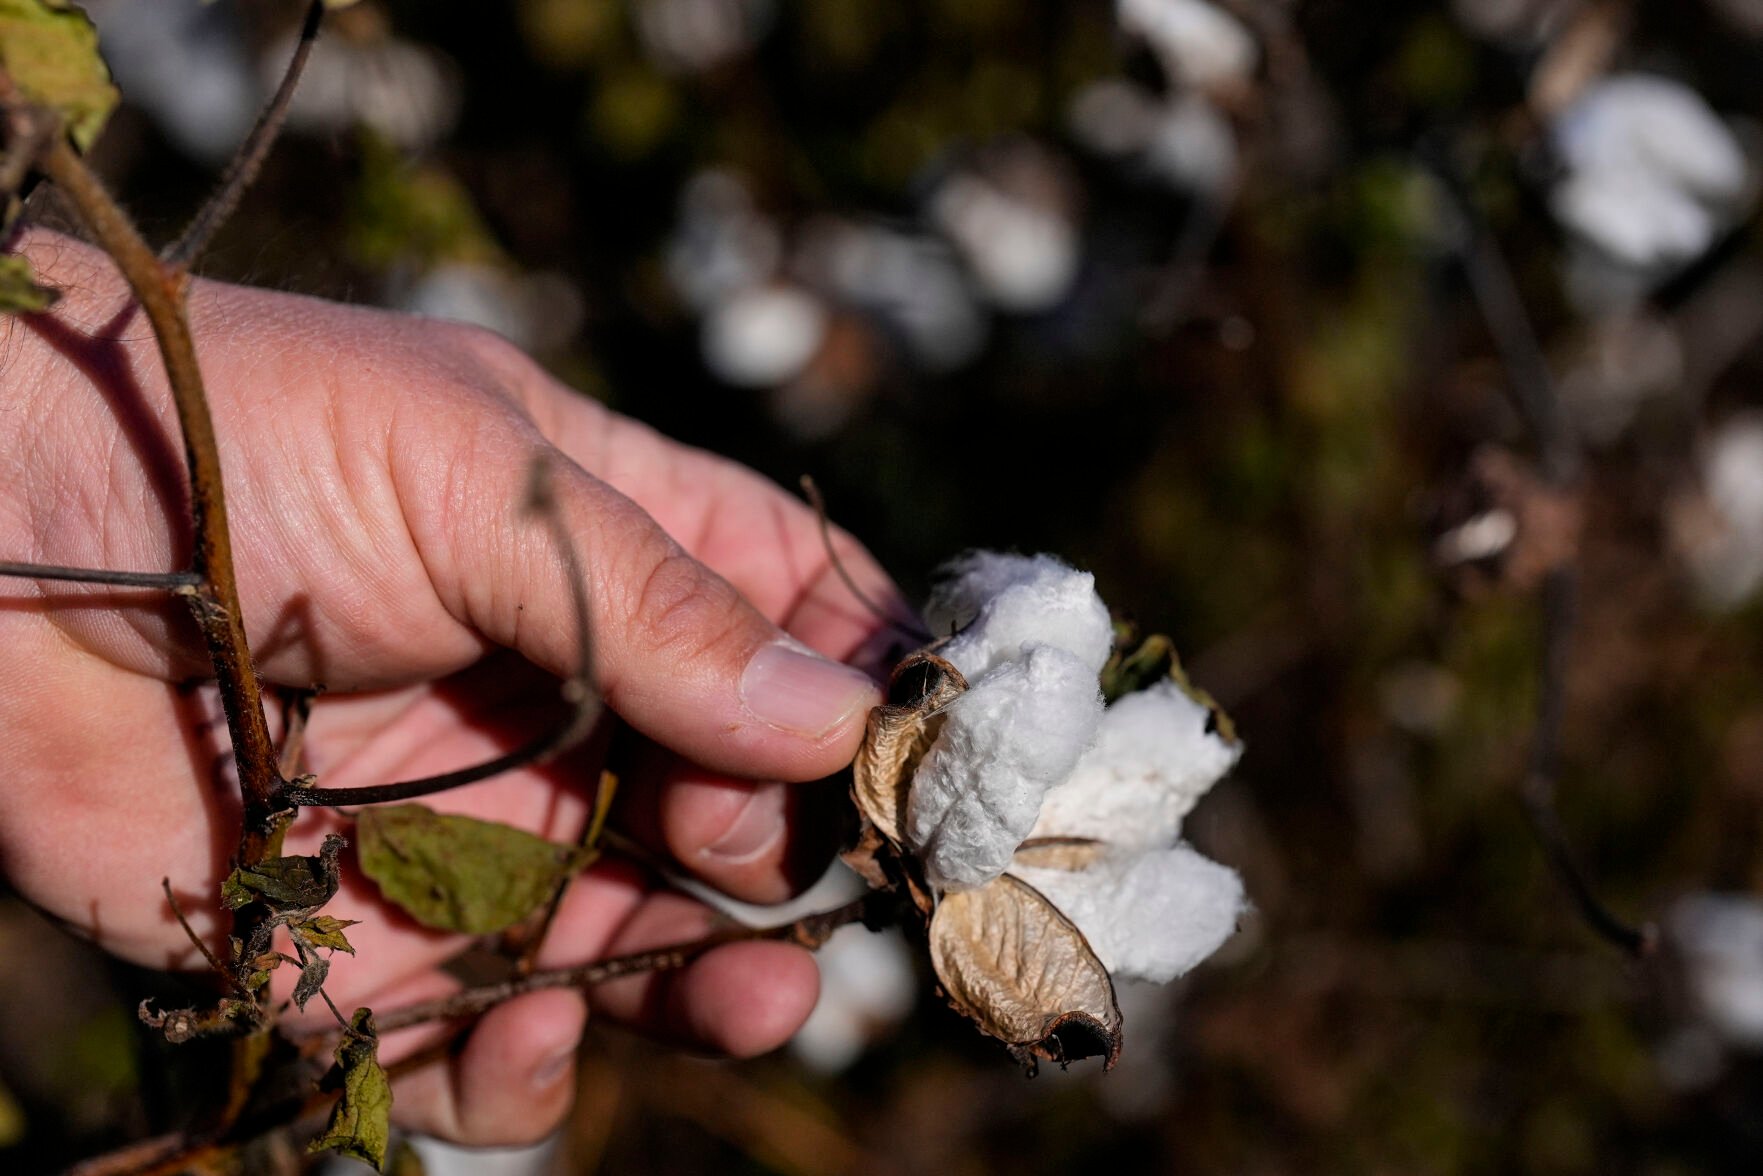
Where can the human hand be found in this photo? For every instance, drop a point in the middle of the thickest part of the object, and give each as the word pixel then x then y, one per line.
pixel 375 464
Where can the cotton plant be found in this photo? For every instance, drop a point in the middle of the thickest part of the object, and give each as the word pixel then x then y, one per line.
pixel 1025 786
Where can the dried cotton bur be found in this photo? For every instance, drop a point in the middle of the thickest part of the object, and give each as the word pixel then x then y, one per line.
pixel 1035 829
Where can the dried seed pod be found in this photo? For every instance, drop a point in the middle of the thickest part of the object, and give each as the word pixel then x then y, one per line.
pixel 1024 973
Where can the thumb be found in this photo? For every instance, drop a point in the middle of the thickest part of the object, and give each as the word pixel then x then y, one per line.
pixel 679 653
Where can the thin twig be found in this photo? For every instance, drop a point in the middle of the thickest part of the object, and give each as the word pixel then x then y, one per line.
pixel 1538 792
pixel 577 690
pixel 1529 381
pixel 528 960
pixel 248 160
pixel 297 710
pixel 161 290
pixel 815 500
pixel 809 932
pixel 165 884
pixel 165 581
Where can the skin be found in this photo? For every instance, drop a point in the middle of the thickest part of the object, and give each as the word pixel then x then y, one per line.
pixel 374 466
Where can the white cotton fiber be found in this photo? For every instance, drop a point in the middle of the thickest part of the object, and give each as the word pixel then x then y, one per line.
pixel 996 604
pixel 1151 916
pixel 1154 758
pixel 1019 730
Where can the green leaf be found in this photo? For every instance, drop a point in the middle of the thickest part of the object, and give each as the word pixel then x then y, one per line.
pixel 286 883
pixel 19 291
pixel 51 51
pixel 459 874
pixel 360 1123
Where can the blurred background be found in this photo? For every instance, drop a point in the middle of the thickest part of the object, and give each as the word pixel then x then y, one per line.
pixel 1371 350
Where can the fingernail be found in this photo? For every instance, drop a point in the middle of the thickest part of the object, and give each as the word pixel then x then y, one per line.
pixel 792 688
pixel 551 1071
pixel 755 828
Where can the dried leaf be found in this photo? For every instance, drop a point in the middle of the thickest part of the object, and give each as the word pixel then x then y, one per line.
pixel 313 970
pixel 1058 853
pixel 898 735
pixel 50 49
pixel 457 873
pixel 19 291
pixel 323 931
pixel 287 883
pixel 1010 961
pixel 405 1161
pixel 360 1123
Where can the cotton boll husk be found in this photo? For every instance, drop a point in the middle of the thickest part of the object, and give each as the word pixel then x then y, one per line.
pixel 1015 733
pixel 1150 916
pixel 996 604
pixel 1196 42
pixel 1154 758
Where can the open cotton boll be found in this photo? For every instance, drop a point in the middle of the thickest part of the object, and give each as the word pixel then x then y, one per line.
pixel 1653 174
pixel 1196 42
pixel 1014 734
pixel 997 604
pixel 1720 937
pixel 1151 916
pixel 866 987
pixel 1155 756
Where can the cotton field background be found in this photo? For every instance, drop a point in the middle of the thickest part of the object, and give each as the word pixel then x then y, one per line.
pixel 1402 361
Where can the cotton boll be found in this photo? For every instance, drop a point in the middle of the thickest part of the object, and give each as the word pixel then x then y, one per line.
pixel 866 987
pixel 1634 217
pixel 690 36
pixel 1150 916
pixel 440 1158
pixel 913 284
pixel 534 311
pixel 184 63
pixel 763 336
pixel 1653 174
pixel 1720 938
pixel 1015 733
pixel 1112 117
pixel 1023 254
pixel 406 92
pixel 1192 147
pixel 1154 757
pixel 1656 125
pixel 1000 603
pixel 1721 533
pixel 722 243
pixel 1196 42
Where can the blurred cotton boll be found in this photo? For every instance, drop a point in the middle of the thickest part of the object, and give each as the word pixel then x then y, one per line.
pixel 1196 42
pixel 1719 532
pixel 1719 939
pixel 912 284
pixel 763 335
pixel 1625 362
pixel 1192 147
pixel 537 312
pixel 867 986
pixel 408 93
pixel 722 243
pixel 1652 175
pixel 184 63
pixel 1021 247
pixel 1518 23
pixel 1184 141
pixel 691 36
